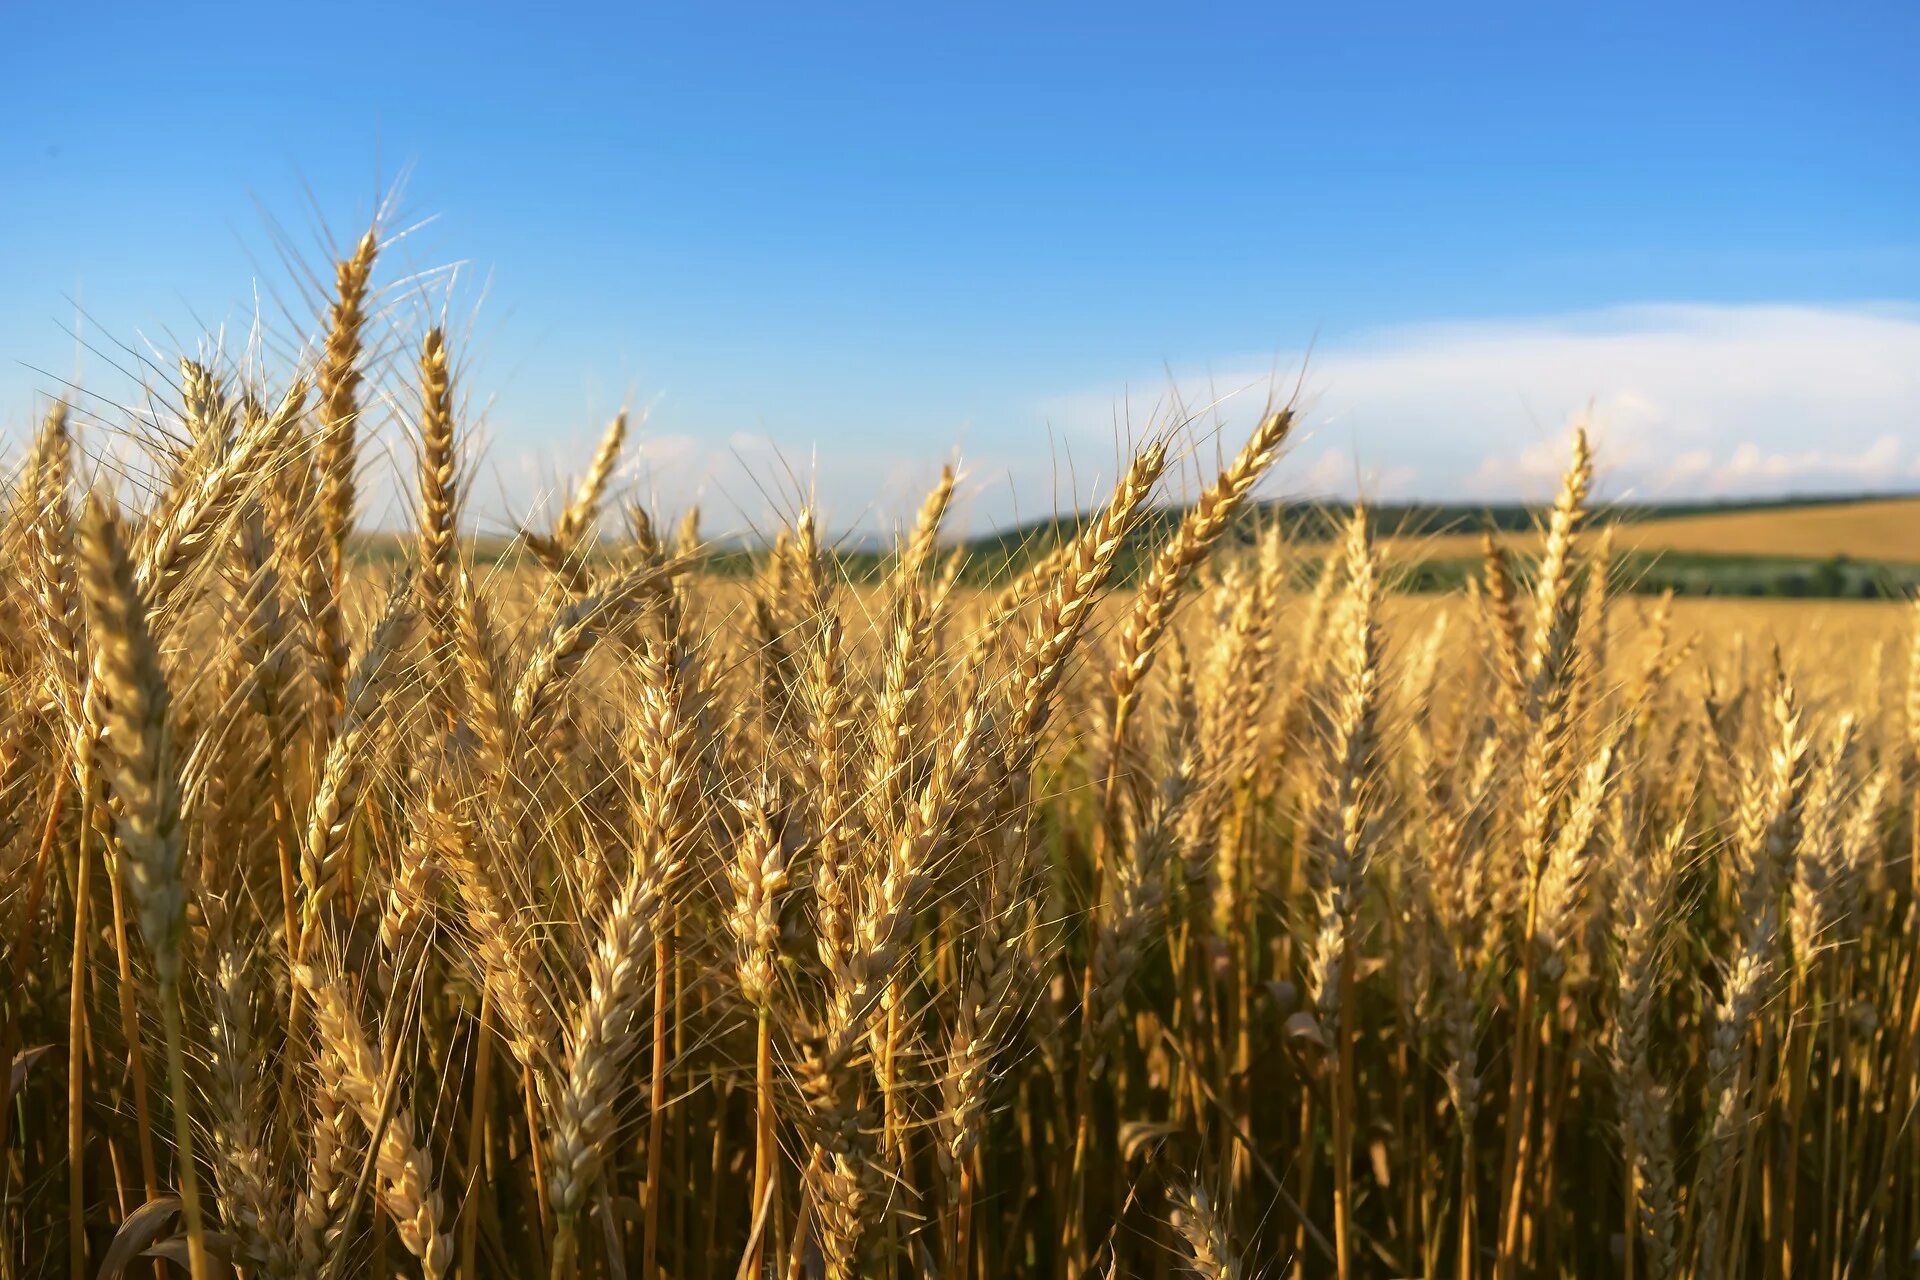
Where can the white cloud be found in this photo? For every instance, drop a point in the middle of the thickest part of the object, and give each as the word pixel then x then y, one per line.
pixel 1343 471
pixel 1682 400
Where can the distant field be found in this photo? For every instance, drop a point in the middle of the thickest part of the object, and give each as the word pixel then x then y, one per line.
pixel 1822 548
pixel 1884 530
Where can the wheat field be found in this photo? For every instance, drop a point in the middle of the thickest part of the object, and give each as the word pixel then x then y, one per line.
pixel 593 916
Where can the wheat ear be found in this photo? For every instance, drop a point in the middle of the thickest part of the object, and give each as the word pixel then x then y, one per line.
pixel 1197 1220
pixel 559 551
pixel 133 699
pixel 1199 529
pixel 352 1065
pixel 339 379
pixel 439 502
pixel 176 539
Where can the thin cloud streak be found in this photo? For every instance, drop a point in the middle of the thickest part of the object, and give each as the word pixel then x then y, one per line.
pixel 1684 400
pixel 1688 400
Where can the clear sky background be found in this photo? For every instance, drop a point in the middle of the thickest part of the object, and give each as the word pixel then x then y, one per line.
pixel 872 235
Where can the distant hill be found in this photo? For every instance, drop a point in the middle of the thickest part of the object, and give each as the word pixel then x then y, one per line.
pixel 1861 527
pixel 1842 546
pixel 1851 546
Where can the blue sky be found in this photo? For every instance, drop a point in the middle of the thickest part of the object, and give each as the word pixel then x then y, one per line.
pixel 874 234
